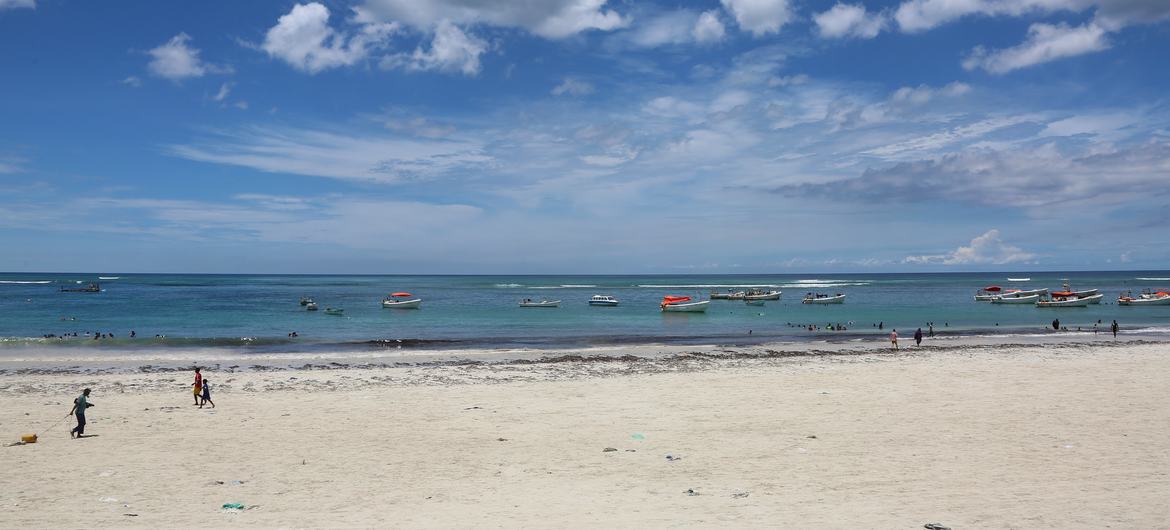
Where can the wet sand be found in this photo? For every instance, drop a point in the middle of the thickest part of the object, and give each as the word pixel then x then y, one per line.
pixel 970 436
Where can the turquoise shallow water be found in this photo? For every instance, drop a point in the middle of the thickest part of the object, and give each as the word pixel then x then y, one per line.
pixel 257 312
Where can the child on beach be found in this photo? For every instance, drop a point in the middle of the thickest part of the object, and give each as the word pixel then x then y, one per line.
pixel 206 394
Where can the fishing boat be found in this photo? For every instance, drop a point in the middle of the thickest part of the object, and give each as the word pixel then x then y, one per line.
pixel 336 311
pixel 754 302
pixel 729 295
pixel 603 300
pixel 401 300
pixel 1147 297
pixel 988 293
pixel 819 298
pixel 760 294
pixel 1016 293
pixel 528 302
pixel 1069 301
pixel 1016 299
pixel 311 306
pixel 305 300
pixel 91 288
pixel 1067 291
pixel 683 304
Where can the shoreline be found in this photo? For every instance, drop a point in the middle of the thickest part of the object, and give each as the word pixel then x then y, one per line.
pixel 966 435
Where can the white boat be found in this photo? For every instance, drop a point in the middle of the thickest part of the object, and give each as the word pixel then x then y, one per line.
pixel 811 298
pixel 603 300
pixel 305 300
pixel 1016 299
pixel 1145 298
pixel 1069 301
pixel 760 294
pixel 753 302
pixel 1067 292
pixel 311 306
pixel 401 301
pixel 337 311
pixel 729 295
pixel 1019 279
pixel 1014 293
pixel 988 293
pixel 683 304
pixel 528 302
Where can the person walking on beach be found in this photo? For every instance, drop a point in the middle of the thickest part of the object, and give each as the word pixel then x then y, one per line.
pixel 206 394
pixel 1114 328
pixel 918 337
pixel 894 338
pixel 79 406
pixel 197 388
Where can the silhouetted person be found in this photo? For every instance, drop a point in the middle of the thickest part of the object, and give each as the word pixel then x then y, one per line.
pixel 1114 328
pixel 918 337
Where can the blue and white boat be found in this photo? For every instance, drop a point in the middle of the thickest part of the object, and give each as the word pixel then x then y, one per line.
pixel 603 300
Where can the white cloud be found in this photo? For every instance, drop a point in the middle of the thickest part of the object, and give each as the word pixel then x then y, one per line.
pixel 760 17
pixel 849 20
pixel 554 19
pixel 342 156
pixel 923 93
pixel 303 39
pixel 921 15
pixel 175 60
pixel 708 28
pixel 133 81
pixel 1045 43
pixel 572 87
pixel 224 90
pixel 452 50
pixel 11 164
pixel 987 249
pixel 13 4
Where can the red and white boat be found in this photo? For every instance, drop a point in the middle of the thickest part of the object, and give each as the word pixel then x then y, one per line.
pixel 683 304
pixel 401 300
pixel 1147 297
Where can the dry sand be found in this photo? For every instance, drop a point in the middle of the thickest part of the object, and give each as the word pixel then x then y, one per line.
pixel 1072 436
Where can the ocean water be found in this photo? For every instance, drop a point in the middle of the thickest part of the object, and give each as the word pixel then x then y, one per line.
pixel 255 313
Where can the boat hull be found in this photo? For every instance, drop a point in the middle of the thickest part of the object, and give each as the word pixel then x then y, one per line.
pixel 690 307
pixel 1072 302
pixel 1144 301
pixel 1016 300
pixel 840 299
pixel 603 303
pixel 403 304
pixel 773 295
pixel 554 303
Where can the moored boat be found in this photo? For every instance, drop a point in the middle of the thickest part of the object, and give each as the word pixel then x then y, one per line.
pixel 603 300
pixel 988 293
pixel 336 311
pixel 729 295
pixel 1069 301
pixel 1016 299
pixel 760 294
pixel 528 302
pixel 683 304
pixel 753 302
pixel 306 300
pixel 1024 292
pixel 819 298
pixel 1147 297
pixel 90 288
pixel 311 306
pixel 401 300
pixel 1067 291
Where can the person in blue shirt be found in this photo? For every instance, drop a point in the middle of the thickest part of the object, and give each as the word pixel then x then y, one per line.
pixel 79 406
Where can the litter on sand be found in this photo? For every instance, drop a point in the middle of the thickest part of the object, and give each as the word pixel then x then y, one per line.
pixel 935 526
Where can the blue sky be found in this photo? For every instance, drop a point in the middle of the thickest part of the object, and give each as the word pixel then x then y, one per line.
pixel 584 136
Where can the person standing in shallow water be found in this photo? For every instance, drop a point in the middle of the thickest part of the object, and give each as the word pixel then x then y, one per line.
pixel 1114 327
pixel 1056 324
pixel 79 406
pixel 918 337
pixel 894 338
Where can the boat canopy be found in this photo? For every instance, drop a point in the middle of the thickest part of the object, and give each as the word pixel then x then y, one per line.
pixel 675 299
pixel 400 294
pixel 993 288
pixel 1162 293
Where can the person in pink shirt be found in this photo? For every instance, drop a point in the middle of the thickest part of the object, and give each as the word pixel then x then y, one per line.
pixel 894 338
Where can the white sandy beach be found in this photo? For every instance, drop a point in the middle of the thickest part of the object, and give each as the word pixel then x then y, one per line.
pixel 1070 436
